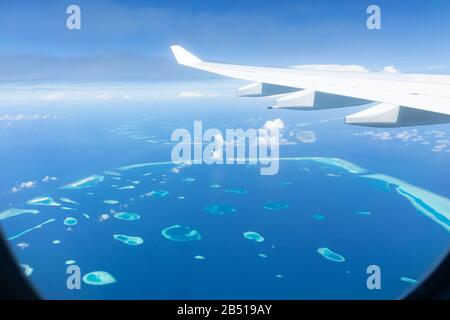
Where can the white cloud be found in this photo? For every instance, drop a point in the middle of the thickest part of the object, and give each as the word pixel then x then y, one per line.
pixel 384 135
pixel 268 140
pixel 217 155
pixel 306 136
pixel 103 217
pixel 110 92
pixel 439 148
pixel 437 67
pixel 219 138
pixel 437 133
pixel 438 139
pixel 54 96
pixel 194 94
pixel 24 185
pixel 441 145
pixel 23 117
pixel 274 124
pixel 390 69
pixel 104 96
pixel 331 67
pixel 48 179
pixel 190 94
pixel 406 135
pixel 376 135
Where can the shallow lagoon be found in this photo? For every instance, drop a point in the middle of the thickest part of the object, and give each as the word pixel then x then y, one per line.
pixel 181 233
pixel 130 216
pixel 111 202
pixel 319 217
pixel 409 280
pixel 67 200
pixel 253 236
pixel 330 255
pixel 158 193
pixel 69 221
pixel 36 227
pixel 129 240
pixel 98 278
pixel 43 201
pixel 276 205
pixel 9 213
pixel 89 182
pixel 220 209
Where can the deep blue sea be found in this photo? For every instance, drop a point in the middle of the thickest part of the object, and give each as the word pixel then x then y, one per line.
pixel 308 205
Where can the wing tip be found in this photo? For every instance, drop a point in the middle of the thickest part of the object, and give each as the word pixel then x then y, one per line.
pixel 183 56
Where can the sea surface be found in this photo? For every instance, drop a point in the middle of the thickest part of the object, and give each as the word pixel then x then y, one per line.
pixel 94 187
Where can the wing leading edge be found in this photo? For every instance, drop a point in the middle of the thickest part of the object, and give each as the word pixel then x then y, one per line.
pixel 398 99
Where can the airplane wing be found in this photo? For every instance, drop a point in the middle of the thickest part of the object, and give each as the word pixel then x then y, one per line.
pixel 397 99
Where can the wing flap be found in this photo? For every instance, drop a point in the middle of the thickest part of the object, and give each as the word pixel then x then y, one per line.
pixel 382 114
pixel 388 115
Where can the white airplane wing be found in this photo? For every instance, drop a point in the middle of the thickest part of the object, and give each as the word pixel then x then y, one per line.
pixel 397 99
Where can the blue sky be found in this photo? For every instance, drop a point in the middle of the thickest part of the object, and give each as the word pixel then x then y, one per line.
pixel 127 42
